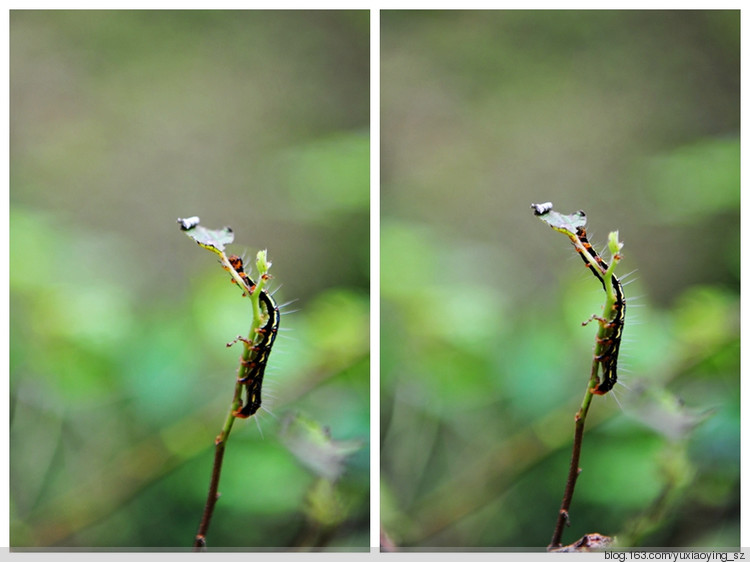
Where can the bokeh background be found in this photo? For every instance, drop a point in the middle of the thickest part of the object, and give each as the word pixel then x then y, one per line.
pixel 121 122
pixel 632 116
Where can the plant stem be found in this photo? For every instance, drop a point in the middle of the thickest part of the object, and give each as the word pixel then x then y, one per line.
pixel 262 264
pixel 213 489
pixel 580 421
pixel 603 335
pixel 607 337
pixel 215 241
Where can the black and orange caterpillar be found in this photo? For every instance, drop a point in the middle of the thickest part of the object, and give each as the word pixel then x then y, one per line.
pixel 610 344
pixel 253 368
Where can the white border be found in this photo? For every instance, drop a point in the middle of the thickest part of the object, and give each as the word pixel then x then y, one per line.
pixel 375 279
pixel 744 388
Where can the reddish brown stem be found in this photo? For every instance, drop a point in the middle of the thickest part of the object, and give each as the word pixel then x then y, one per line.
pixel 563 517
pixel 199 543
pixel 213 495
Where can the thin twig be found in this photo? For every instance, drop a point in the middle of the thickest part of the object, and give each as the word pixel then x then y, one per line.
pixel 575 469
pixel 213 489
pixel 213 496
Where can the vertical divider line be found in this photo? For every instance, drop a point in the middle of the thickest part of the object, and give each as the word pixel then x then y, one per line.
pixel 375 280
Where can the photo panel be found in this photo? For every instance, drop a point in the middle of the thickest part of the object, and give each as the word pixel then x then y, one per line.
pixel 491 121
pixel 137 368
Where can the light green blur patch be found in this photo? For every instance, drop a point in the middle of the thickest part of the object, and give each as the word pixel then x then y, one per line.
pixel 696 180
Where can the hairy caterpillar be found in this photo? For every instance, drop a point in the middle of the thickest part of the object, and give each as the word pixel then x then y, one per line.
pixel 610 336
pixel 610 344
pixel 254 367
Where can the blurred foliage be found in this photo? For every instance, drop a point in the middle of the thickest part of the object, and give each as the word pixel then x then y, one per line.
pixel 120 378
pixel 634 117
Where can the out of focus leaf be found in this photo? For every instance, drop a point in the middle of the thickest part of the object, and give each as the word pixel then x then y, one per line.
pixel 664 412
pixel 324 504
pixel 330 175
pixel 314 447
pixel 696 180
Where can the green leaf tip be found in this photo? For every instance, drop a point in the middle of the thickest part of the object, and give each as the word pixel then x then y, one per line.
pixel 567 224
pixel 262 263
pixel 213 240
pixel 614 243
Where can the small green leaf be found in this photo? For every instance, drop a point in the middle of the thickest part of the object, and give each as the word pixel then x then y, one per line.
pixel 262 263
pixel 567 224
pixel 213 240
pixel 614 243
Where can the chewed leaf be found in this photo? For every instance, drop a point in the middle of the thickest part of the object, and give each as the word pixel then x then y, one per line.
pixel 314 447
pixel 214 240
pixel 568 224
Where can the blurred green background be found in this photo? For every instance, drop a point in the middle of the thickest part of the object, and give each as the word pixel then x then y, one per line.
pixel 121 122
pixel 634 117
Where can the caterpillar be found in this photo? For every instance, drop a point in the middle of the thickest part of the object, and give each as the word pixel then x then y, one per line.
pixel 610 344
pixel 608 340
pixel 254 367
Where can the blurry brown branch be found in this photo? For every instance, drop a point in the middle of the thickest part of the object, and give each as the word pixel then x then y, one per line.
pixel 563 516
pixel 213 495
